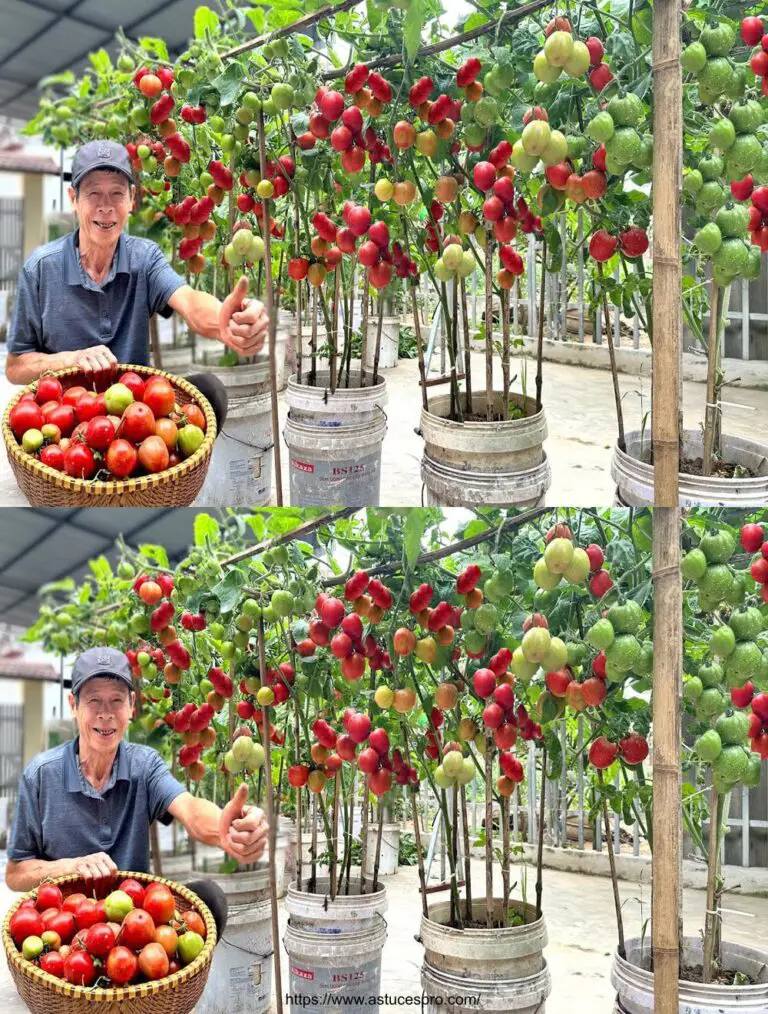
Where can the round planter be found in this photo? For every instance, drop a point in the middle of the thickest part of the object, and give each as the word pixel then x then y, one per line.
pixel 334 442
pixel 286 347
pixel 390 342
pixel 241 468
pixel 634 983
pixel 503 968
pixel 241 971
pixel 497 463
pixel 334 947
pixel 390 850
pixel 634 477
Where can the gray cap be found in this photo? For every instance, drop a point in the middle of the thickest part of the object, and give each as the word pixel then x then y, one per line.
pixel 100 662
pixel 100 155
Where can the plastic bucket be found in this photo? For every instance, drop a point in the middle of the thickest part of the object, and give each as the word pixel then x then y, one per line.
pixel 334 947
pixel 240 473
pixel 334 443
pixel 455 994
pixel 390 342
pixel 634 984
pixel 634 477
pixel 390 850
pixel 240 981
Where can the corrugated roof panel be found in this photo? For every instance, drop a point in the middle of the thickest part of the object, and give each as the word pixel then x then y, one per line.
pixel 20 529
pixel 56 47
pixel 19 22
pixel 117 12
pixel 174 24
pixel 51 557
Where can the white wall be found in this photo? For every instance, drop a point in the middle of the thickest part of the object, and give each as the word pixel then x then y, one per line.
pixel 11 183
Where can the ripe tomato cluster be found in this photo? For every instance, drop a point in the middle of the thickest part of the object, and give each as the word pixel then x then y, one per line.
pixel 135 934
pixel 633 748
pixel 632 242
pixel 753 540
pixel 758 212
pixel 753 33
pixel 134 427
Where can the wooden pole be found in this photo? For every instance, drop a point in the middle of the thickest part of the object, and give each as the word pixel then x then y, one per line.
pixel 416 826
pixel 269 301
pixel 666 698
pixel 377 347
pixel 467 347
pixel 540 853
pixel 377 856
pixel 420 350
pixel 505 857
pixel 540 346
pixel 614 369
pixel 710 922
pixel 467 857
pixel 505 351
pixel 313 846
pixel 270 808
pixel 299 842
pixel 488 325
pixel 333 337
pixel 666 403
pixel 614 877
pixel 364 835
pixel 489 829
pixel 364 328
pixel 335 832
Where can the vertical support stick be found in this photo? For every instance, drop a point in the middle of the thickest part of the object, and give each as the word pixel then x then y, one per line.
pixel 377 857
pixel 364 836
pixel 270 807
pixel 333 337
pixel 540 853
pixel 467 856
pixel 612 862
pixel 505 351
pixel 377 349
pixel 272 318
pixel 467 349
pixel 540 347
pixel 488 820
pixel 364 329
pixel 505 857
pixel 488 327
pixel 667 693
pixel 666 394
pixel 614 369
pixel 710 922
pixel 299 842
pixel 419 347
pixel 335 837
pixel 313 846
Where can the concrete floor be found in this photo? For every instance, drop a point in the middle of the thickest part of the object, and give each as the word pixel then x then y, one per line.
pixel 581 419
pixel 581 926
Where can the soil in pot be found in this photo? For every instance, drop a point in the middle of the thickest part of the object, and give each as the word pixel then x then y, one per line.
pixel 722 977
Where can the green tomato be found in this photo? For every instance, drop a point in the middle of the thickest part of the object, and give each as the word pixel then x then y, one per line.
pixel 693 58
pixel 32 948
pixel 190 439
pixel 282 603
pixel 228 648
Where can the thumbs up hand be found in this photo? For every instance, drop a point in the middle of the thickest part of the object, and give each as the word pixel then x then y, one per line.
pixel 242 828
pixel 243 323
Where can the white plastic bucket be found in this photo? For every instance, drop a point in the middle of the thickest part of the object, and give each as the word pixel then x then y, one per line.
pixel 390 342
pixel 390 849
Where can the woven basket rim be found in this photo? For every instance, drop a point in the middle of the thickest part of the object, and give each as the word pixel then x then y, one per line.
pixel 116 487
pixel 97 994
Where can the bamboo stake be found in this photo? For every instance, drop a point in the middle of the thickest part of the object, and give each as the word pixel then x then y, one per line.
pixel 614 877
pixel 505 858
pixel 666 408
pixel 377 349
pixel 540 347
pixel 270 813
pixel 313 340
pixel 364 329
pixel 454 339
pixel 299 842
pixel 713 415
pixel 505 351
pixel 489 830
pixel 313 846
pixel 377 857
pixel 712 915
pixel 540 852
pixel 614 369
pixel 272 318
pixel 297 253
pixel 333 338
pixel 666 697
pixel 488 327
pixel 416 827
pixel 467 857
pixel 467 350
pixel 420 349
pixel 364 835
pixel 335 833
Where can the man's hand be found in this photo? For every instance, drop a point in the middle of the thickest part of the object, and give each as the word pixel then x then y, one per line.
pixel 243 323
pixel 97 866
pixel 242 828
pixel 96 359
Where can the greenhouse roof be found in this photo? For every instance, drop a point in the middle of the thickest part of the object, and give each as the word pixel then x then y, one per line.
pixel 38 545
pixel 42 37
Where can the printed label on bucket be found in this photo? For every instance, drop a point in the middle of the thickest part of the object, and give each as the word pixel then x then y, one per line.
pixel 322 988
pixel 335 483
pixel 243 996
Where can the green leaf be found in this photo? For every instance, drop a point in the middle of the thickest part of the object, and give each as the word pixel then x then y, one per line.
pixel 412 533
pixel 156 554
pixel 66 77
pixel 206 528
pixel 374 14
pixel 100 61
pixel 205 21
pixel 412 25
pixel 229 84
pixel 257 525
pixel 257 18
pixel 156 46
pixel 85 88
pixel 228 591
pixel 475 20
pixel 66 584
pixel 86 591
pixel 100 568
pixel 475 528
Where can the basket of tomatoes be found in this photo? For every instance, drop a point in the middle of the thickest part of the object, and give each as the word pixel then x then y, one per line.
pixel 144 946
pixel 133 437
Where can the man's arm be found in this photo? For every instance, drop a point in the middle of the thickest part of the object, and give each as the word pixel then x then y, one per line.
pixel 238 829
pixel 28 366
pixel 26 874
pixel 240 323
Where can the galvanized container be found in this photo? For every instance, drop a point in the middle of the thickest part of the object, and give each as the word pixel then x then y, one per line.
pixel 634 983
pixel 390 343
pixel 634 477
pixel 240 981
pixel 334 947
pixel 334 443
pixel 504 967
pixel 240 473
pixel 497 463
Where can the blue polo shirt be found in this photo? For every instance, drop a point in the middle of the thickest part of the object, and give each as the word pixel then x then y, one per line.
pixel 59 308
pixel 59 814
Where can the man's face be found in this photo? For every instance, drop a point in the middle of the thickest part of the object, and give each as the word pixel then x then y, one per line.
pixel 103 714
pixel 103 206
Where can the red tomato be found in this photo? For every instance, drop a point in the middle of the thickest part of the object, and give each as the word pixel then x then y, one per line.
pixel 150 592
pixel 168 430
pixel 100 433
pixel 134 890
pixel 159 903
pixel 72 902
pixel 138 423
pixel 159 396
pixel 79 461
pixel 134 383
pixel 99 940
pixel 79 968
pixel 121 458
pixel 121 965
pixel 195 415
pixel 168 937
pixel 53 963
pixel 153 961
pixel 47 407
pixel 49 896
pixel 25 922
pixel 153 454
pixel 87 914
pixel 49 389
pixel 87 407
pixel 138 927
pixel 64 924
pixel 195 923
pixel 62 416
pixel 72 395
pixel 25 415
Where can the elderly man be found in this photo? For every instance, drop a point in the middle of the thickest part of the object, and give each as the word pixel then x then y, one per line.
pixel 85 807
pixel 85 299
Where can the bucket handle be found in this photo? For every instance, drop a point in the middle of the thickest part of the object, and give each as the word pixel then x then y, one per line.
pixel 253 447
pixel 245 950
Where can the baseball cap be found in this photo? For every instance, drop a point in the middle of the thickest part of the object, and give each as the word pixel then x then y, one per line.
pixel 100 155
pixel 100 662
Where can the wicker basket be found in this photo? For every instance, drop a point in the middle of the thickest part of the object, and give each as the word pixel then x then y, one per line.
pixel 175 994
pixel 175 487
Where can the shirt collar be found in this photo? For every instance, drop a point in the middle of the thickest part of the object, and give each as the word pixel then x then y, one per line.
pixel 72 267
pixel 73 776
